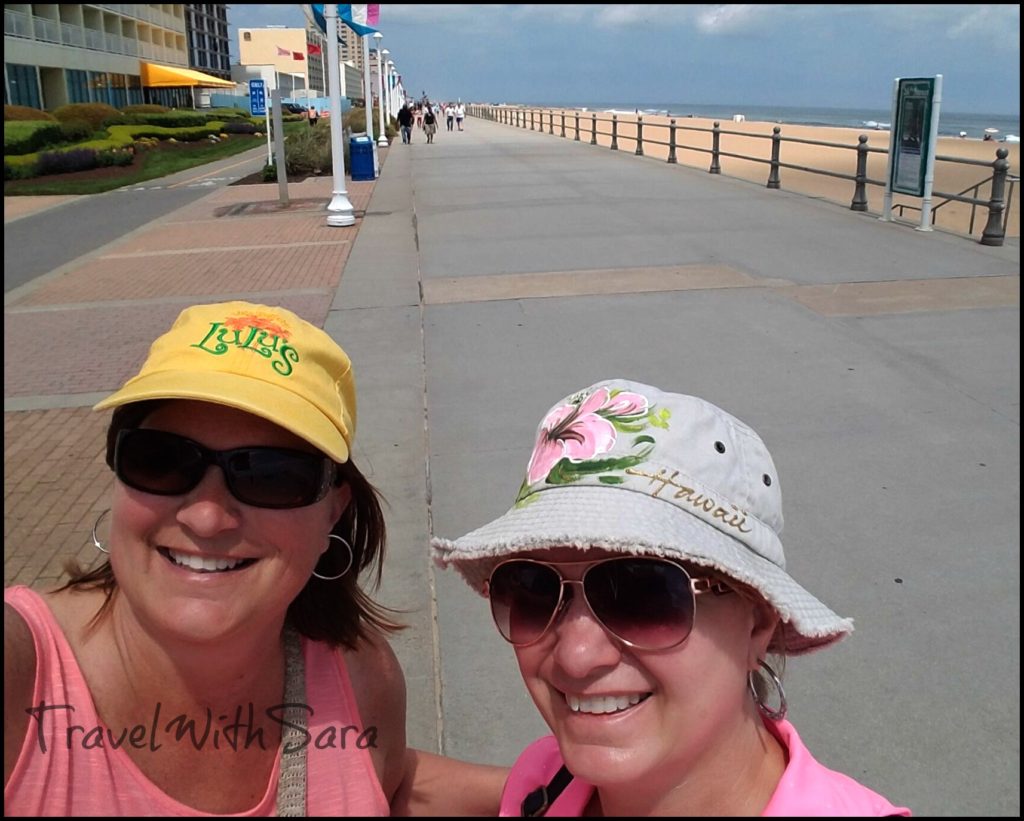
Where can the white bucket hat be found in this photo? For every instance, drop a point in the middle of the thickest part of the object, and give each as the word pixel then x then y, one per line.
pixel 633 469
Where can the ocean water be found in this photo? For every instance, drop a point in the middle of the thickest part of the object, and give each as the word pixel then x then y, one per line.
pixel 951 123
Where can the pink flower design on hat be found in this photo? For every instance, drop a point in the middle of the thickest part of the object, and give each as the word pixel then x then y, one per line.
pixel 580 431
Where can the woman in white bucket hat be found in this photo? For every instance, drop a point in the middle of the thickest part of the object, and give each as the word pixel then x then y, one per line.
pixel 641 579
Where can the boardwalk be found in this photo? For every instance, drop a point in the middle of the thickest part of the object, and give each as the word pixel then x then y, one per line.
pixel 497 270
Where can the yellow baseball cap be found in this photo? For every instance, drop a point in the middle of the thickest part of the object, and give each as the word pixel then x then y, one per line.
pixel 260 359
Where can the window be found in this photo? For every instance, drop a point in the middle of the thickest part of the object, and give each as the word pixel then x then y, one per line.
pixel 24 85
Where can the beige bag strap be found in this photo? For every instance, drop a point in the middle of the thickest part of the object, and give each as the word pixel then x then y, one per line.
pixel 291 784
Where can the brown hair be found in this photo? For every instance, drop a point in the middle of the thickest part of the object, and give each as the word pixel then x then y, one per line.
pixel 337 611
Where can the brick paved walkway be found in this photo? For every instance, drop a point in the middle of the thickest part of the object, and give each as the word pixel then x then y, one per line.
pixel 78 337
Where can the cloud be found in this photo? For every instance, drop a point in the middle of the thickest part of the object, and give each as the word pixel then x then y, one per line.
pixel 998 26
pixel 731 19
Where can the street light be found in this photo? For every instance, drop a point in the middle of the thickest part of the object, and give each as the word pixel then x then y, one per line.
pixel 382 138
pixel 381 68
pixel 339 210
pixel 368 102
pixel 392 108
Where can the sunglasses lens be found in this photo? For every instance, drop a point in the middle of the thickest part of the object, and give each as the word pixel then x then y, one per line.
pixel 166 464
pixel 646 602
pixel 274 477
pixel 524 596
pixel 156 462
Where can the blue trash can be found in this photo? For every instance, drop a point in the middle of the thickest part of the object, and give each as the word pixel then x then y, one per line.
pixel 361 158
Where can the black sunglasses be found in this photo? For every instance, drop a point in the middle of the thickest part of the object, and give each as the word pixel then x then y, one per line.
pixel 165 464
pixel 646 603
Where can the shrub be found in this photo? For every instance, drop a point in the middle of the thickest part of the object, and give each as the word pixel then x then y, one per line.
pixel 27 136
pixel 96 114
pixel 22 171
pixel 115 157
pixel 145 108
pixel 238 127
pixel 24 112
pixel 355 120
pixel 226 113
pixel 167 119
pixel 308 151
pixel 63 162
pixel 75 131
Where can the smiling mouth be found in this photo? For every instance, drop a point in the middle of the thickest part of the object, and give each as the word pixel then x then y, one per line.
pixel 604 705
pixel 199 564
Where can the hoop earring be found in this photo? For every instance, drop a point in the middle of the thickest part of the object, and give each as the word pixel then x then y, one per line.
pixel 348 567
pixel 768 712
pixel 95 540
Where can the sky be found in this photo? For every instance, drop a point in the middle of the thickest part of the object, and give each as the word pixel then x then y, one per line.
pixel 650 55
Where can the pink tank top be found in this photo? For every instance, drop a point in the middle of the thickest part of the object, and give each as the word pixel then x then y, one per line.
pixel 76 780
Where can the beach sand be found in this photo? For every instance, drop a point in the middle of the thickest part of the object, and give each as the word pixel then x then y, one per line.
pixel 752 139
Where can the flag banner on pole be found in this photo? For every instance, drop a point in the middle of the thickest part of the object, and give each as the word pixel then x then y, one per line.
pixel 283 52
pixel 298 55
pixel 362 19
pixel 314 49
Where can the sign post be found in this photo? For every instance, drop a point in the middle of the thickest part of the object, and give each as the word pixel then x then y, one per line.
pixel 912 141
pixel 258 108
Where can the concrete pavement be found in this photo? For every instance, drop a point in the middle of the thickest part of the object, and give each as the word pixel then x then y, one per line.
pixel 497 270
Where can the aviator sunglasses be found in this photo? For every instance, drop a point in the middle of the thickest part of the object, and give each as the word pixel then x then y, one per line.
pixel 646 603
pixel 165 464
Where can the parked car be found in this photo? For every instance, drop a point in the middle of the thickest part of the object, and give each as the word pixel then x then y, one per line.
pixel 293 108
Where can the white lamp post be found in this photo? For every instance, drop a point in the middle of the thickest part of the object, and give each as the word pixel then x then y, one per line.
pixel 382 139
pixel 339 211
pixel 368 102
pixel 391 89
pixel 382 64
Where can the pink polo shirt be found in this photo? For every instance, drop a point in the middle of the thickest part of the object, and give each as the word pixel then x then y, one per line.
pixel 806 788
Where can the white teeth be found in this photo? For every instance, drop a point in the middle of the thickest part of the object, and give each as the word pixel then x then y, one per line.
pixel 206 565
pixel 602 704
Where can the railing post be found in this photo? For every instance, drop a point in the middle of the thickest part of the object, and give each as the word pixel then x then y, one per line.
pixel 615 132
pixel 639 135
pixel 563 123
pixel 860 197
pixel 593 128
pixel 577 115
pixel 773 175
pixel 551 123
pixel 672 141
pixel 531 120
pixel 715 138
pixel 994 232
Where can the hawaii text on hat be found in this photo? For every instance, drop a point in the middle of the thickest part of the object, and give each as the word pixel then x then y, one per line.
pixel 628 467
pixel 260 359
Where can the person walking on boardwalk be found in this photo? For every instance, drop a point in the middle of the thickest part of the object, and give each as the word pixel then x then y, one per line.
pixel 405 123
pixel 429 122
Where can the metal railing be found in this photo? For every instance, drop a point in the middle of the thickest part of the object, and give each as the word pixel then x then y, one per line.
pixel 997 203
pixel 1012 180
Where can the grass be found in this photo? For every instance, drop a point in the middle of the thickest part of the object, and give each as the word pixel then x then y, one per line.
pixel 158 161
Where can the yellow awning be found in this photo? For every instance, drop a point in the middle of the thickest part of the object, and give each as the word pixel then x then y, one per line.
pixel 157 76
